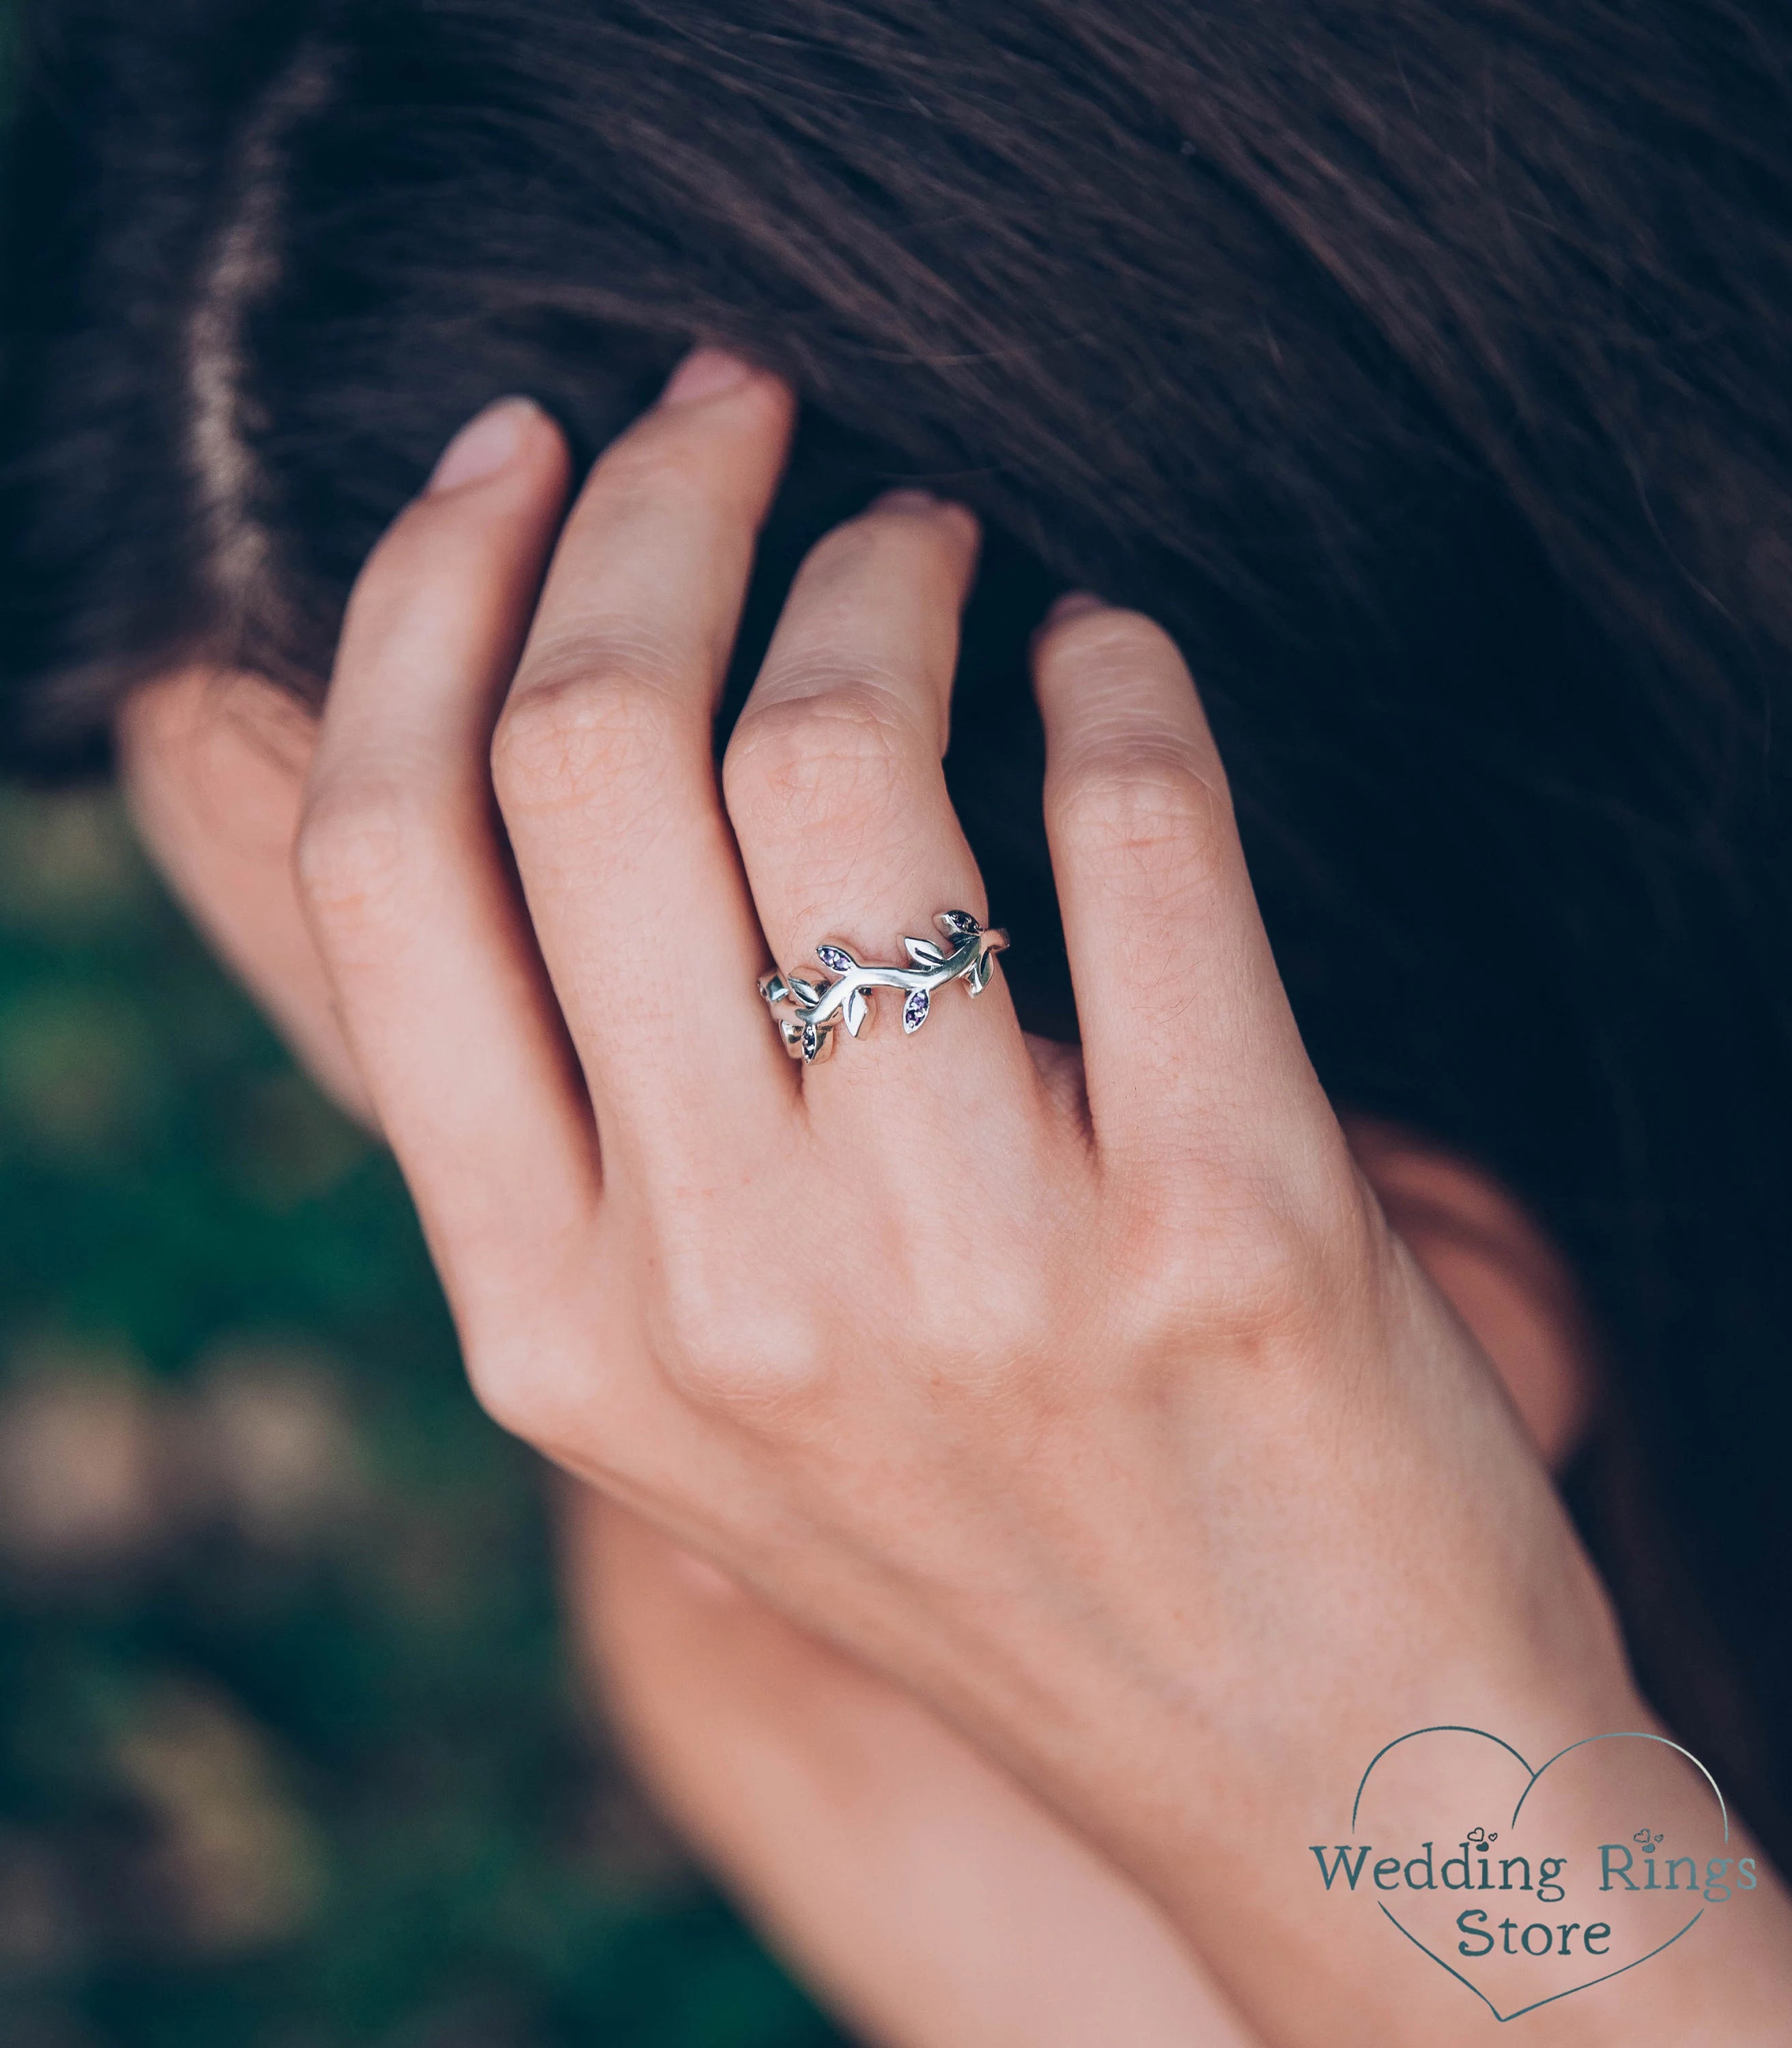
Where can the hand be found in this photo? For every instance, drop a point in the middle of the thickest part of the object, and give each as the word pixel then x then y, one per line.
pixel 922 1894
pixel 930 1898
pixel 1103 1418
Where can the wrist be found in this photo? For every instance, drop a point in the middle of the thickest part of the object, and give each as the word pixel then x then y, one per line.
pixel 1393 1891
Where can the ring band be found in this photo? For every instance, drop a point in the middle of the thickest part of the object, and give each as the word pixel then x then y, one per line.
pixel 843 994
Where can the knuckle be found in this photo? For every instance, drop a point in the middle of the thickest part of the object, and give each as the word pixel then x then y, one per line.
pixel 506 1391
pixel 719 1333
pixel 515 1383
pixel 734 1353
pixel 358 850
pixel 539 1372
pixel 586 715
pixel 1252 1281
pixel 1143 806
pixel 1262 1285
pixel 805 763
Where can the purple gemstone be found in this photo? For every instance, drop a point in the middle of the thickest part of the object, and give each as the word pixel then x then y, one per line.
pixel 915 1011
pixel 832 958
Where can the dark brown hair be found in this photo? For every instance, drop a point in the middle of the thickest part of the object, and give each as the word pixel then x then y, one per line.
pixel 1424 365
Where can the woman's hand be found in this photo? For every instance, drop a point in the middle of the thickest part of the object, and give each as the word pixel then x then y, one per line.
pixel 931 1899
pixel 1114 1422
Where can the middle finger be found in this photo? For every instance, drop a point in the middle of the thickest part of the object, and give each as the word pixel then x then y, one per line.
pixel 834 781
pixel 604 768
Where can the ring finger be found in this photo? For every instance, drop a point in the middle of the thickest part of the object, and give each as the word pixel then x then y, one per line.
pixel 834 783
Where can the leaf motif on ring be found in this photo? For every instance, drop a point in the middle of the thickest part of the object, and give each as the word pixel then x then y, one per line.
pixel 915 1011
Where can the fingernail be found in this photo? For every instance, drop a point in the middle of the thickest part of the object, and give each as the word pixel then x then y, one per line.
pixel 1073 604
pixel 705 373
pixel 484 445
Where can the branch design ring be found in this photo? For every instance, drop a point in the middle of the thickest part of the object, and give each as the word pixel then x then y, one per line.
pixel 818 1004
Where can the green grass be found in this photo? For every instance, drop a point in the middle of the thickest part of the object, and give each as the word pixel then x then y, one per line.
pixel 290 1751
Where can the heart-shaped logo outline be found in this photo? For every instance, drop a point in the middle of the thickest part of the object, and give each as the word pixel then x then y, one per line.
pixel 1615 1734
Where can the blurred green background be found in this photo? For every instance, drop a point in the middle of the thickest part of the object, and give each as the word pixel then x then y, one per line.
pixel 290 1752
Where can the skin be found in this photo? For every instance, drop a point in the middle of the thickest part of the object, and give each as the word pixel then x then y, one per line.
pixel 832 1802
pixel 1036 1475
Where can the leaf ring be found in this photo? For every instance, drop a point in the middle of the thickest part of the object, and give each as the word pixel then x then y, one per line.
pixel 818 1004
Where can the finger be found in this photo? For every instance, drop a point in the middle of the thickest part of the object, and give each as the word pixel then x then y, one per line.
pixel 603 762
pixel 1187 1034
pixel 834 783
pixel 442 995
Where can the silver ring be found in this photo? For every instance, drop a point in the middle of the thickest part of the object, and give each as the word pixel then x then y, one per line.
pixel 842 995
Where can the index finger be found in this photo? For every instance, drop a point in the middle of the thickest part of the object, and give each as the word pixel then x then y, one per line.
pixel 435 973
